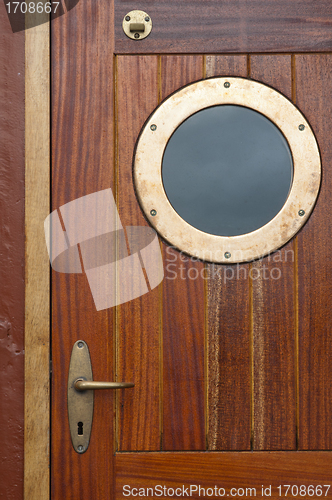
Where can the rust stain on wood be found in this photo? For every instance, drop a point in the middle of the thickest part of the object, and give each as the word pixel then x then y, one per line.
pixel 214 389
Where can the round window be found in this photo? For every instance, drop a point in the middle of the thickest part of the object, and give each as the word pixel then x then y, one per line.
pixel 227 170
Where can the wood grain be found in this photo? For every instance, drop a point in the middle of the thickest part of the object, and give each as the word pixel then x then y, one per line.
pixel 183 313
pixel 82 163
pixel 224 65
pixel 224 470
pixel 37 291
pixel 228 329
pixel 313 96
pixel 12 76
pixel 228 26
pixel 274 70
pixel 138 320
pixel 274 313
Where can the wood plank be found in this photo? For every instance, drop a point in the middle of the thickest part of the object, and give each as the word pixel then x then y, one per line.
pixel 228 329
pixel 138 320
pixel 274 70
pixel 83 159
pixel 183 313
pixel 11 259
pixel 224 470
pixel 274 313
pixel 228 26
pixel 313 96
pixel 37 291
pixel 226 66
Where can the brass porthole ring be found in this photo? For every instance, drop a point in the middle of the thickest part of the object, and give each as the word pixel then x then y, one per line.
pixel 171 114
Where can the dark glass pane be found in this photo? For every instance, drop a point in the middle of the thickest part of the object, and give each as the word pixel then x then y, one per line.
pixel 227 170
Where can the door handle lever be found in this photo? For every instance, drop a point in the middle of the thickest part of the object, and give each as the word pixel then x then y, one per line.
pixel 80 395
pixel 92 385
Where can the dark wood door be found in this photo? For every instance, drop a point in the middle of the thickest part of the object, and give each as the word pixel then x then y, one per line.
pixel 232 365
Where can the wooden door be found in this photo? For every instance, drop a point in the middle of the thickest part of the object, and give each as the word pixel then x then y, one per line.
pixel 232 371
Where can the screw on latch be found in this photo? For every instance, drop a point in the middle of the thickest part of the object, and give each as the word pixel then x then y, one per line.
pixel 80 448
pixel 137 25
pixel 80 345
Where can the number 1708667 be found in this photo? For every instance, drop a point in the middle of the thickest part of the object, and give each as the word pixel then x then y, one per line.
pixel 32 7
pixel 303 491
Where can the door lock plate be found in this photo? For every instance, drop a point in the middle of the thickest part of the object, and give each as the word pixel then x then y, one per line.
pixel 81 387
pixel 80 403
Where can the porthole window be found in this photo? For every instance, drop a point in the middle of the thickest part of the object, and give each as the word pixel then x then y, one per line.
pixel 227 170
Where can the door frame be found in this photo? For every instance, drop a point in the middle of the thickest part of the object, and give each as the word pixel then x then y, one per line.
pixel 37 267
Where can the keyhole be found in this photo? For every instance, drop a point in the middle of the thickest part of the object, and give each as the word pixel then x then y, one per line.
pixel 80 428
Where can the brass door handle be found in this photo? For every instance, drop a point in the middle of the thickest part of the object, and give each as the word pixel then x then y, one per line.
pixel 92 385
pixel 80 395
